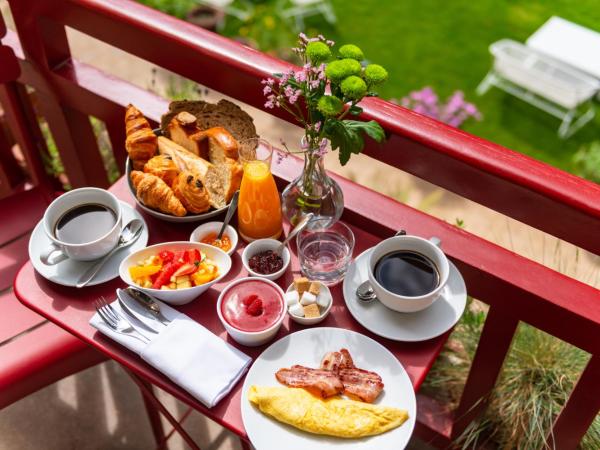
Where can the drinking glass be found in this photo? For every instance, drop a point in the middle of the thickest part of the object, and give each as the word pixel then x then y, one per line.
pixel 325 253
pixel 259 206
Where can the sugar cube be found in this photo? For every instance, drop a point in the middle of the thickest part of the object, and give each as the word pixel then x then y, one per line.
pixel 314 288
pixel 323 300
pixel 291 298
pixel 297 310
pixel 302 285
pixel 311 311
pixel 308 299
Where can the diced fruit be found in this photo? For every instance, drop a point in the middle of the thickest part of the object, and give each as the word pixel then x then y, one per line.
pixel 202 277
pixel 185 269
pixel 193 256
pixel 165 274
pixel 143 271
pixel 166 256
pixel 165 288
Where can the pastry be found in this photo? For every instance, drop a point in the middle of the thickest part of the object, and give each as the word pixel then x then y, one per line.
pixel 221 181
pixel 163 167
pixel 221 145
pixel 183 131
pixel 155 193
pixel 190 190
pixel 140 141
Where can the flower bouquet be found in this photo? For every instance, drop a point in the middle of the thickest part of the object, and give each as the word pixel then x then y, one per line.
pixel 322 97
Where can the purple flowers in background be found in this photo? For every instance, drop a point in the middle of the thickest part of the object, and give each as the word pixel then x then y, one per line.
pixel 453 112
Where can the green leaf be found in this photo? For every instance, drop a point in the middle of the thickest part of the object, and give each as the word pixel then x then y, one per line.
pixel 355 110
pixel 371 128
pixel 346 140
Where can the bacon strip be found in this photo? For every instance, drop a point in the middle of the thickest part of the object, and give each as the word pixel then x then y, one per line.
pixel 322 383
pixel 362 384
pixel 335 361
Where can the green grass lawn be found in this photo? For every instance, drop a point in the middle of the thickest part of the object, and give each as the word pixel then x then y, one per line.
pixel 444 44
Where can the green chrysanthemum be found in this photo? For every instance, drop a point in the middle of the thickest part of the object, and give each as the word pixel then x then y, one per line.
pixel 354 87
pixel 330 105
pixel 336 71
pixel 375 74
pixel 351 51
pixel 318 52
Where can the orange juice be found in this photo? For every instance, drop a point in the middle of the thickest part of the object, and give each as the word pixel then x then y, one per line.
pixel 259 207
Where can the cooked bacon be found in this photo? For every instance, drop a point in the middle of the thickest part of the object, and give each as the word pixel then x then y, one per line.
pixel 361 384
pixel 322 383
pixel 335 361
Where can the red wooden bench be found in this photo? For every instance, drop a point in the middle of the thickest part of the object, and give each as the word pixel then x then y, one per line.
pixel 33 352
pixel 515 288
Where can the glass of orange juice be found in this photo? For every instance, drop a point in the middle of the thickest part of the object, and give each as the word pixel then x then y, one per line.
pixel 259 206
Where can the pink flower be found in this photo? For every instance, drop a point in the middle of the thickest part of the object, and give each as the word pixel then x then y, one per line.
pixel 330 43
pixel 322 148
pixel 270 104
pixel 317 126
pixel 303 37
pixel 315 84
pixel 267 90
pixel 268 81
pixel 300 76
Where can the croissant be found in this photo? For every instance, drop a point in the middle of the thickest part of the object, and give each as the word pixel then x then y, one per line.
pixel 163 167
pixel 190 190
pixel 141 142
pixel 155 193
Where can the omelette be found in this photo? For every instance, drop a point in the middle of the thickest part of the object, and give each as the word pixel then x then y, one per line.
pixel 333 416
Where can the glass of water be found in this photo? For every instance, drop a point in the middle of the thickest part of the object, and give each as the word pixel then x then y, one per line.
pixel 325 253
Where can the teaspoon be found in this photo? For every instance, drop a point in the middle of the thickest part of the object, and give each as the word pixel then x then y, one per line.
pixel 297 229
pixel 130 233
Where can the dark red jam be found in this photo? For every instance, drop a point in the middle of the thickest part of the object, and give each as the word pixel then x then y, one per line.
pixel 266 262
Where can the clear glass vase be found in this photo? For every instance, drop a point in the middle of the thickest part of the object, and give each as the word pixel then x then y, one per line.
pixel 313 192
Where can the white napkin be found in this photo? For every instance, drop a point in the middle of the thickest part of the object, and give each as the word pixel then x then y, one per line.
pixel 186 352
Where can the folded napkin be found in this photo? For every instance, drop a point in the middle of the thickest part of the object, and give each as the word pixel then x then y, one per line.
pixel 186 352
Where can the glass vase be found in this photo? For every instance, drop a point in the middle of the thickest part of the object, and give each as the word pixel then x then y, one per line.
pixel 314 191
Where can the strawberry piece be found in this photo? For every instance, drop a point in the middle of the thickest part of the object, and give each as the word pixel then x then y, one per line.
pixel 255 308
pixel 248 300
pixel 193 256
pixel 166 256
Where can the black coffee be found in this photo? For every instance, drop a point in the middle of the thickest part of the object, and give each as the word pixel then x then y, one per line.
pixel 85 223
pixel 407 273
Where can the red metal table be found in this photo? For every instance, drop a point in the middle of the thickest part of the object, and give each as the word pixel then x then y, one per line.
pixel 71 309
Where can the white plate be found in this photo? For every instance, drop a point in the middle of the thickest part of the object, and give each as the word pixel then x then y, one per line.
pixel 307 347
pixel 168 217
pixel 407 327
pixel 68 271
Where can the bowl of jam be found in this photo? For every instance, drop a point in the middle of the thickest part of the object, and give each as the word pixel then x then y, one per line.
pixel 251 310
pixel 260 258
pixel 207 234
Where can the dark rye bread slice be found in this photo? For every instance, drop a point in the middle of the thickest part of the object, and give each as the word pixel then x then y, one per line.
pixel 223 114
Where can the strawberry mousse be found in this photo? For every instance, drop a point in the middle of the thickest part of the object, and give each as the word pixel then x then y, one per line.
pixel 252 305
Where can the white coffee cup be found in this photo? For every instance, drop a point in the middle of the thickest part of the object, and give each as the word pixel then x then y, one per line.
pixel 88 251
pixel 428 248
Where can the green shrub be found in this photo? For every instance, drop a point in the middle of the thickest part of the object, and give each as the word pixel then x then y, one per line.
pixel 587 161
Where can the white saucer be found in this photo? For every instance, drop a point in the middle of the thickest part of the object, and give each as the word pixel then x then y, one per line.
pixel 67 272
pixel 406 327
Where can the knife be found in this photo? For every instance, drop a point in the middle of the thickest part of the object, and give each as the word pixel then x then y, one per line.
pixel 141 315
pixel 147 302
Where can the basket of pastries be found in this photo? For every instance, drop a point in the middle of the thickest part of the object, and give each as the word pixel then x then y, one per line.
pixel 189 168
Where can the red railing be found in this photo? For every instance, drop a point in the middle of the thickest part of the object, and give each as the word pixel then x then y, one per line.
pixel 515 288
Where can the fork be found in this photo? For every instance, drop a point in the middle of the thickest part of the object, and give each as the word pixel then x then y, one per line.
pixel 115 321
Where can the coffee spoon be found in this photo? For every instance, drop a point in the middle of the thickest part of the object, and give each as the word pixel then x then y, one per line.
pixel 232 207
pixel 129 234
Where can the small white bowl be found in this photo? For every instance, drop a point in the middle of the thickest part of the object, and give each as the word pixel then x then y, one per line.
pixel 176 296
pixel 324 290
pixel 251 338
pixel 214 227
pixel 262 245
